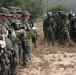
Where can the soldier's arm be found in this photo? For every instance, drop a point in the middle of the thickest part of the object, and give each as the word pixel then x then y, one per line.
pixel 69 25
pixel 54 24
pixel 44 23
pixel 61 26
pixel 20 31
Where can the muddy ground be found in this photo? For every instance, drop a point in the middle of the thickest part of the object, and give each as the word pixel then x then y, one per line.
pixel 53 60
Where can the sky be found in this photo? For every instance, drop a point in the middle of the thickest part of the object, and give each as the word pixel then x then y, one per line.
pixel 70 4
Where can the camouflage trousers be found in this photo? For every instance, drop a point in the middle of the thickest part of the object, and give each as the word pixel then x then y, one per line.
pixel 14 60
pixel 50 37
pixel 20 53
pixel 45 36
pixel 26 52
pixel 65 37
pixel 4 65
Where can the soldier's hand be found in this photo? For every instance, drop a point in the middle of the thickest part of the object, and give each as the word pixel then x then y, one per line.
pixel 9 53
pixel 20 31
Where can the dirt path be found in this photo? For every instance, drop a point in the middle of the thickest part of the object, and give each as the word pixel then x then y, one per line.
pixel 54 61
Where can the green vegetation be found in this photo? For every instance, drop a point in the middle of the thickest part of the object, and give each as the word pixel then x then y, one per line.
pixel 59 8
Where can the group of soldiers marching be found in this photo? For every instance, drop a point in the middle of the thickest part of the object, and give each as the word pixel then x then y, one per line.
pixel 16 36
pixel 60 27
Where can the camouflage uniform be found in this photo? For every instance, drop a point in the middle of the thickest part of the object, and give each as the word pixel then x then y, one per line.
pixel 49 26
pixel 58 33
pixel 45 30
pixel 5 28
pixel 14 59
pixel 74 28
pixel 4 61
pixel 26 43
pixel 71 18
pixel 66 28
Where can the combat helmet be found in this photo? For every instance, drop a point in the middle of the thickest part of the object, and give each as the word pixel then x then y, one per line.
pixel 12 8
pixel 49 14
pixel 4 11
pixel 25 13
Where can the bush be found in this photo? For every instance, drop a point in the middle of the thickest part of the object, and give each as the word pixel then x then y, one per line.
pixel 59 8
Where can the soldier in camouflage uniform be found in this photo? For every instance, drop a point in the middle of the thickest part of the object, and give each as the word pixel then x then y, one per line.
pixel 5 50
pixel 71 18
pixel 73 29
pixel 5 28
pixel 26 42
pixel 15 26
pixel 49 26
pixel 65 28
pixel 19 14
pixel 58 18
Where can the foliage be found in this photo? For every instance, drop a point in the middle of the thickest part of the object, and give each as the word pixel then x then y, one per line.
pixel 16 41
pixel 28 36
pixel 35 7
pixel 59 8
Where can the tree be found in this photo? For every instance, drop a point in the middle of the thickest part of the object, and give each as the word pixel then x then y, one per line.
pixel 35 7
pixel 59 8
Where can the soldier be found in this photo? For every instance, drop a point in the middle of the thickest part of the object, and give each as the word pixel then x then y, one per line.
pixel 58 19
pixel 4 18
pixel 21 26
pixel 71 18
pixel 57 31
pixel 19 13
pixel 49 28
pixel 65 28
pixel 26 43
pixel 74 29
pixel 4 62
pixel 16 27
pixel 2 58
pixel 4 14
